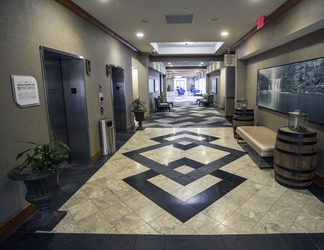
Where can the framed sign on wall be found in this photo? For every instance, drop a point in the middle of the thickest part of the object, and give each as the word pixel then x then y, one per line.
pixel 25 90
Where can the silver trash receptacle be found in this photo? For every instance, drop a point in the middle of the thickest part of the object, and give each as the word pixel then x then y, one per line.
pixel 108 141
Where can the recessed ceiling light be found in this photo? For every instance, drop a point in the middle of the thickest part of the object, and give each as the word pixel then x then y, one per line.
pixel 185 9
pixel 140 34
pixel 224 33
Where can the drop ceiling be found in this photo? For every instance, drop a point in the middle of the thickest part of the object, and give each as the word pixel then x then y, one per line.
pixel 181 27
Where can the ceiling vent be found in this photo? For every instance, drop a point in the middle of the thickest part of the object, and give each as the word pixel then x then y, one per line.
pixel 178 19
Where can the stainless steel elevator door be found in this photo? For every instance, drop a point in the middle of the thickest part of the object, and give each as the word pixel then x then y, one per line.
pixel 118 92
pixel 66 103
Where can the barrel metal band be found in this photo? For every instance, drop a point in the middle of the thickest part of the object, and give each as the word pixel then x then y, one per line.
pixel 293 180
pixel 296 135
pixel 292 186
pixel 294 171
pixel 297 142
pixel 295 154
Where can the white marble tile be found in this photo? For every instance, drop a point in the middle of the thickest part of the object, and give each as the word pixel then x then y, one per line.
pixel 202 224
pixel 239 223
pixel 223 230
pixel 128 223
pixel 150 212
pixel 165 224
pixel 184 193
pixel 83 210
pixel 116 211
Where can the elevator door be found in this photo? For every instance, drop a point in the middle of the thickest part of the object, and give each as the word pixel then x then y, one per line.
pixel 66 103
pixel 118 87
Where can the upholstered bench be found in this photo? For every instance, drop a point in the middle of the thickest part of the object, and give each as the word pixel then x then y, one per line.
pixel 260 138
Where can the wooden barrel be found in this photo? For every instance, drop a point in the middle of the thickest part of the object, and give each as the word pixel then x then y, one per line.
pixel 242 117
pixel 295 158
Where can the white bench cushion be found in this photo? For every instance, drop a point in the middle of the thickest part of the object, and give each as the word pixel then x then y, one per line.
pixel 260 138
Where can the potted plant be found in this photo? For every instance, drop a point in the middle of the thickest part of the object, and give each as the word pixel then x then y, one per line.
pixel 162 97
pixel 39 171
pixel 138 107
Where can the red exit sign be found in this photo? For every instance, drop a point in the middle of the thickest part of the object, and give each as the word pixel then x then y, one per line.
pixel 260 22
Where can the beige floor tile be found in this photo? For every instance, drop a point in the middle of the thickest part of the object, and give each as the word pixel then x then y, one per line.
pixel 202 183
pixel 184 193
pixel 145 229
pixel 150 212
pixel 218 212
pixel 78 198
pixel 286 210
pixel 165 224
pixel 137 202
pixel 184 230
pixel 126 193
pixel 128 223
pixel 239 223
pixel 105 201
pixel 296 197
pixel 274 223
pixel 92 222
pixel 116 211
pixel 184 169
pixel 108 228
pixel 95 189
pixel 202 224
pixel 221 229
pixel 67 225
pixel 83 210
pixel 253 209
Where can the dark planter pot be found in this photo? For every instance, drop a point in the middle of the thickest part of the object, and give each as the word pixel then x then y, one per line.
pixel 41 190
pixel 139 116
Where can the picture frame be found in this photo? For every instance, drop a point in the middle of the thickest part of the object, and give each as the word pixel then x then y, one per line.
pixel 288 87
pixel 156 85
pixel 151 85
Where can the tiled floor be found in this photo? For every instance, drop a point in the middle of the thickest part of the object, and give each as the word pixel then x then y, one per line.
pixel 183 187
pixel 179 181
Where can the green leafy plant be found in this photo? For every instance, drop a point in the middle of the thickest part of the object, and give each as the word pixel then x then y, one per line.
pixel 138 105
pixel 43 157
pixel 205 95
pixel 162 97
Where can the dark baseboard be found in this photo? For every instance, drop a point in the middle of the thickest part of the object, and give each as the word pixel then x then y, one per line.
pixel 16 220
pixel 318 179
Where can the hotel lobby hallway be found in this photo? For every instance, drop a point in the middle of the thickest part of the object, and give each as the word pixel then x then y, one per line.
pixel 179 184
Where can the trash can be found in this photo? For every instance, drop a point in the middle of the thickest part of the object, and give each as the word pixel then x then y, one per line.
pixel 108 141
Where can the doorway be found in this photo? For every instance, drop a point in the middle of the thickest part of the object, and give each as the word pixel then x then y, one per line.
pixel 65 96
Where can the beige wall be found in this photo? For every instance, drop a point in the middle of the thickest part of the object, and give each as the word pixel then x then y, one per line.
pixel 307 47
pixel 25 25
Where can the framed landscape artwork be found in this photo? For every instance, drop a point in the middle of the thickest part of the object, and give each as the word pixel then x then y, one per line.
pixel 293 86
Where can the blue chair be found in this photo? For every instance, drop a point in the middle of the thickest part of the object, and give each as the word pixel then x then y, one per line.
pixel 181 91
pixel 196 92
